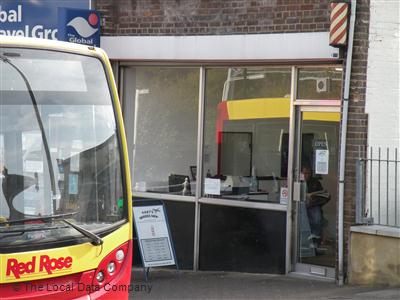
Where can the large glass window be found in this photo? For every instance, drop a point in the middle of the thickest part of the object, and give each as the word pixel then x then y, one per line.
pixel 320 83
pixel 163 107
pixel 246 133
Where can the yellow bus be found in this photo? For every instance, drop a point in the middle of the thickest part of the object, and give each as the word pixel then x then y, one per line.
pixel 65 198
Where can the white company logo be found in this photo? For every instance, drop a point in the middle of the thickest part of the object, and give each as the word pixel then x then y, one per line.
pixel 82 27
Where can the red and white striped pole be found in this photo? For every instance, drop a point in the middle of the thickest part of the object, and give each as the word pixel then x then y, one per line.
pixel 339 24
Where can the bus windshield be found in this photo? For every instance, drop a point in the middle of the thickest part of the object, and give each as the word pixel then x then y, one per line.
pixel 59 150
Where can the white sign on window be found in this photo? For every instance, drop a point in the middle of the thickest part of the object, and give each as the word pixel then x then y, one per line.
pixel 153 236
pixel 321 161
pixel 284 196
pixel 212 186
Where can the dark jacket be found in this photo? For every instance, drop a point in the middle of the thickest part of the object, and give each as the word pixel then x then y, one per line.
pixel 320 199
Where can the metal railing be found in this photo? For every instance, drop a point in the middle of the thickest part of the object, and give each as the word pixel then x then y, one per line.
pixel 377 187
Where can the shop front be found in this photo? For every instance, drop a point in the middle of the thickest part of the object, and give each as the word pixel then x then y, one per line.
pixel 242 146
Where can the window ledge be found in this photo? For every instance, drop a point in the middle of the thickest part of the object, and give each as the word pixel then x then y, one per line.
pixel 377 230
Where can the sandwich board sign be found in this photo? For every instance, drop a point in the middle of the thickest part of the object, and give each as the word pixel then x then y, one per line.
pixel 153 234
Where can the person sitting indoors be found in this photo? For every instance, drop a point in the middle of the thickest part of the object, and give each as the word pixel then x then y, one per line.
pixel 316 197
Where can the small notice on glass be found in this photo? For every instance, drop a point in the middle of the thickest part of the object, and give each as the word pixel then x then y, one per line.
pixel 321 162
pixel 212 186
pixel 284 196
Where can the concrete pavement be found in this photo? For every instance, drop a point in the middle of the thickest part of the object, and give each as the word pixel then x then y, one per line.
pixel 167 284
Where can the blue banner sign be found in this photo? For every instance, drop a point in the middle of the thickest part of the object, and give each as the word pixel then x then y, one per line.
pixel 34 18
pixel 80 26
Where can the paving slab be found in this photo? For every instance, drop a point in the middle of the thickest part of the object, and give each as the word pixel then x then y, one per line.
pixel 167 284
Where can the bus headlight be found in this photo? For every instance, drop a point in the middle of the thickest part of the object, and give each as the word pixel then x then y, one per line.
pixel 114 266
pixel 100 276
pixel 111 267
pixel 120 255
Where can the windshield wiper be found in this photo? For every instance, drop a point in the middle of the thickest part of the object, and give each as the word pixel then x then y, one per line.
pixel 40 123
pixel 7 230
pixel 39 218
pixel 95 239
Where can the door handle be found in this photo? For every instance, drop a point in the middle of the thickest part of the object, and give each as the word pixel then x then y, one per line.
pixel 296 191
pixel 299 191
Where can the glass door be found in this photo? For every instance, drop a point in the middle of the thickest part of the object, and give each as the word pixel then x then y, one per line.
pixel 315 189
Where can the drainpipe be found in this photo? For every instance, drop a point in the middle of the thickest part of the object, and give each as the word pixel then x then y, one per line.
pixel 343 141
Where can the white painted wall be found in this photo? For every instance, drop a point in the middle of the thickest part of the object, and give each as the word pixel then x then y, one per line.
pixel 383 104
pixel 307 45
pixel 383 75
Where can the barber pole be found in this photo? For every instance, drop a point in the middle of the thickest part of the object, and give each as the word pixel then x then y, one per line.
pixel 338 29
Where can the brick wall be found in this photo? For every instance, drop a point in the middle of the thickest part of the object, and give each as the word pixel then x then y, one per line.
pixel 201 17
pixel 357 118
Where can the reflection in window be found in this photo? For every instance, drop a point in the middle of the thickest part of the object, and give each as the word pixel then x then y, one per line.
pixel 319 83
pixel 256 82
pixel 246 122
pixel 83 157
pixel 164 107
